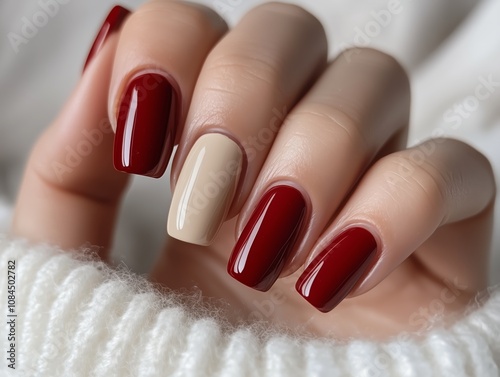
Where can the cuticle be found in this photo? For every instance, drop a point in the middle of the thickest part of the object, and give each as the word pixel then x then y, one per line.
pixel 372 230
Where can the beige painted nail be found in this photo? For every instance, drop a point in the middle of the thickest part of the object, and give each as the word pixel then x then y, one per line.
pixel 205 189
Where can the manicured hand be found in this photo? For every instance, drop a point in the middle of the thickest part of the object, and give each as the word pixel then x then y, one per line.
pixel 293 186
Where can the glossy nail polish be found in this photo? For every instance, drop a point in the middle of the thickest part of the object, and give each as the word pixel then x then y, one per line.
pixel 111 24
pixel 330 277
pixel 268 238
pixel 205 189
pixel 145 126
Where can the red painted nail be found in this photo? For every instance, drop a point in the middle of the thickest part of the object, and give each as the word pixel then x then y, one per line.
pixel 145 129
pixel 330 277
pixel 268 238
pixel 111 24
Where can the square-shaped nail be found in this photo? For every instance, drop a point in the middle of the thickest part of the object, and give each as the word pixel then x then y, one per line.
pixel 268 238
pixel 145 129
pixel 331 276
pixel 205 189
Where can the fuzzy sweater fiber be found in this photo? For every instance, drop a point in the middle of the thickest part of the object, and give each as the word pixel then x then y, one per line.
pixel 77 317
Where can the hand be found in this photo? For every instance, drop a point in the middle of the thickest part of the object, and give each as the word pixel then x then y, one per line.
pixel 305 161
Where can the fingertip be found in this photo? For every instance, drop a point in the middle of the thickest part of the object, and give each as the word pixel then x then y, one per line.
pixel 111 24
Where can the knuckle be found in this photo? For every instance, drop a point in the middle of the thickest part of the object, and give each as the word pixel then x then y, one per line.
pixel 330 125
pixel 254 63
pixel 477 164
pixel 385 63
pixel 416 176
pixel 284 9
pixel 375 56
pixel 235 71
pixel 204 17
pixel 438 174
pixel 194 16
pixel 294 12
pixel 462 148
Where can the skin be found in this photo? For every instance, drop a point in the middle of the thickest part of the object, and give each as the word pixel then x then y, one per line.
pixel 429 207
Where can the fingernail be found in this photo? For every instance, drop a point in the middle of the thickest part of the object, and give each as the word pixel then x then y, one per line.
pixel 205 189
pixel 145 128
pixel 330 277
pixel 268 238
pixel 111 24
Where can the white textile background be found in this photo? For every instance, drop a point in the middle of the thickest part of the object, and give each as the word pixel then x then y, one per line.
pixel 448 46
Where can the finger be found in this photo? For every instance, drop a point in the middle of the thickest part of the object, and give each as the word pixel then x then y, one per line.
pixel 161 50
pixel 357 107
pixel 398 205
pixel 70 191
pixel 250 79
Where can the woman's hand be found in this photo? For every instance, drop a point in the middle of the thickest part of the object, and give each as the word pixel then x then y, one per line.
pixel 284 159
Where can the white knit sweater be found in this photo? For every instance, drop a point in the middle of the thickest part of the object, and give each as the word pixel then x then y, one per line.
pixel 78 317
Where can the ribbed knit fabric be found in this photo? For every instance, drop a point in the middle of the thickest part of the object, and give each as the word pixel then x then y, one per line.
pixel 77 317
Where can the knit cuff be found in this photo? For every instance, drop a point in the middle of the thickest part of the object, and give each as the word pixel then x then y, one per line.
pixel 72 316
